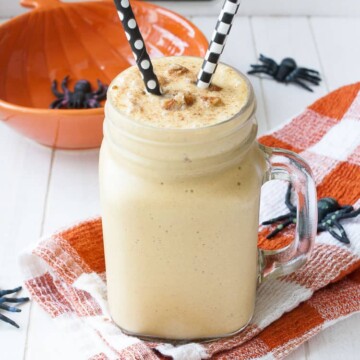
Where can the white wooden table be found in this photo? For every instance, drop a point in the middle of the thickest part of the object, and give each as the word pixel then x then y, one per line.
pixel 43 189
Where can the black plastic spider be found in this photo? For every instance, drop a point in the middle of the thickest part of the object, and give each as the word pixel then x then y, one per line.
pixel 81 98
pixel 329 215
pixel 4 300
pixel 287 72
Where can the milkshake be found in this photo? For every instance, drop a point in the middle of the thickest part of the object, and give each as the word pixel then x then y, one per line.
pixel 182 105
pixel 180 178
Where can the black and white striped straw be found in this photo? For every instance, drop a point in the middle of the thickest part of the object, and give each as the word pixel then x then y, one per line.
pixel 217 43
pixel 138 47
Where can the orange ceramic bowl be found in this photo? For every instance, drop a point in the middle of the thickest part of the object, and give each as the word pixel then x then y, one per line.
pixel 85 41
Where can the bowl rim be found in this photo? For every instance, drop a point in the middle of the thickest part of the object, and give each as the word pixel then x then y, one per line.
pixel 201 38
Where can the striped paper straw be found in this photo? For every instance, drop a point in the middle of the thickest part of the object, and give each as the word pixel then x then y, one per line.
pixel 217 44
pixel 138 47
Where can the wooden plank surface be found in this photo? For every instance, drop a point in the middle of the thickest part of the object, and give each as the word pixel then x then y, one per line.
pixel 24 173
pixel 10 8
pixel 337 41
pixel 73 196
pixel 279 38
pixel 73 191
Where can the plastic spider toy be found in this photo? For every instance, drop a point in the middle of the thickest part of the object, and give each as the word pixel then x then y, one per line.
pixel 329 215
pixel 4 300
pixel 287 72
pixel 81 98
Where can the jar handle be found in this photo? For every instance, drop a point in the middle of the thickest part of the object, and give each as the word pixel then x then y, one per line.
pixel 288 166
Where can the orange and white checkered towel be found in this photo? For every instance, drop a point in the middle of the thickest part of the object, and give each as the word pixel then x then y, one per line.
pixel 65 273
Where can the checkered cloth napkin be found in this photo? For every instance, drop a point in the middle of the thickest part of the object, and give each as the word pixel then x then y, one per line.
pixel 65 273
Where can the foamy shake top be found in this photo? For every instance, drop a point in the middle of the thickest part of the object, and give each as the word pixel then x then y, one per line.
pixel 183 105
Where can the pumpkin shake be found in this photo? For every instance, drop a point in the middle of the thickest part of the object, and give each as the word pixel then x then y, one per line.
pixel 180 187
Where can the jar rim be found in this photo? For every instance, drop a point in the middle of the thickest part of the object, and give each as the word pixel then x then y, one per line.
pixel 250 102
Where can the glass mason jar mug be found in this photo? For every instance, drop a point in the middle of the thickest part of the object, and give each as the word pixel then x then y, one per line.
pixel 180 221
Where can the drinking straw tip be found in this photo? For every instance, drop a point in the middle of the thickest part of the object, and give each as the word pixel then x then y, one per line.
pixel 217 44
pixel 138 47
